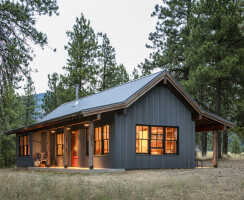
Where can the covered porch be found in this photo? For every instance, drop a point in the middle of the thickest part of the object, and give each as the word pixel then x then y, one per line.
pixel 70 145
pixel 208 122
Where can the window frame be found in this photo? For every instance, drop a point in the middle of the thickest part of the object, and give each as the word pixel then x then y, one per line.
pixel 87 140
pixel 102 141
pixel 59 144
pixel 23 146
pixel 164 139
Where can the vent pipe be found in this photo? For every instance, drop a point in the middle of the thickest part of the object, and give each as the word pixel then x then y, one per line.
pixel 76 92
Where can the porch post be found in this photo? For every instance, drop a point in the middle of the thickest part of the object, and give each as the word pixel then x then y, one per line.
pixel 66 142
pixel 91 131
pixel 48 148
pixel 215 149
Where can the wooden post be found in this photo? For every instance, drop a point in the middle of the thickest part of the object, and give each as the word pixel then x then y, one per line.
pixel 215 149
pixel 66 142
pixel 48 148
pixel 91 131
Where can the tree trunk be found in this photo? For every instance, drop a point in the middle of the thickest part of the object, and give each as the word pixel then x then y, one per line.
pixel 218 111
pixel 225 143
pixel 219 144
pixel 204 144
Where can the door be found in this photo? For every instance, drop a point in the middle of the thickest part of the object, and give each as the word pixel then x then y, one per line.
pixel 74 148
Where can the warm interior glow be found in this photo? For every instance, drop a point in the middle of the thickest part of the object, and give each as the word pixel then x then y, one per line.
pixel 156 140
pixel 60 144
pixel 171 138
pixel 142 136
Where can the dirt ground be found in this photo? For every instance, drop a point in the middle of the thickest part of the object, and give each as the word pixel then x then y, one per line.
pixel 225 182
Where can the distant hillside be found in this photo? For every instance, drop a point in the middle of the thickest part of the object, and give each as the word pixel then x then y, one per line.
pixel 39 104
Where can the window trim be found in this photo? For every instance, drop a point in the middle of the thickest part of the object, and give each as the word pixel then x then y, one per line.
pixel 58 145
pixel 102 140
pixel 28 146
pixel 164 135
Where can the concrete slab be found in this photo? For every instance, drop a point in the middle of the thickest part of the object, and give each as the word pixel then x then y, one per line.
pixel 75 170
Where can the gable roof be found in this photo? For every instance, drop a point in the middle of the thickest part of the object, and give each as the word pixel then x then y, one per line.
pixel 119 97
pixel 110 97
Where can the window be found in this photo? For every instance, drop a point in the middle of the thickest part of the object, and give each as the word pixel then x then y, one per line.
pixel 24 145
pixel 106 139
pixel 101 140
pixel 142 138
pixel 87 141
pixel 60 144
pixel 171 140
pixel 156 140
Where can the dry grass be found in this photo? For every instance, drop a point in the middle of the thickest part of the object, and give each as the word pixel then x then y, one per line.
pixel 226 182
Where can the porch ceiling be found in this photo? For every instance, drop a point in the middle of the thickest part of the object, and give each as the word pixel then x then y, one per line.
pixel 205 124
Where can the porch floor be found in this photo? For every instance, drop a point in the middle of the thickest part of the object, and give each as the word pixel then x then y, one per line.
pixel 75 170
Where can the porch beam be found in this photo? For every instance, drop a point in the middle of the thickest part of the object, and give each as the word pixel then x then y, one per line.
pixel 210 128
pixel 196 117
pixel 215 149
pixel 66 143
pixel 91 131
pixel 48 148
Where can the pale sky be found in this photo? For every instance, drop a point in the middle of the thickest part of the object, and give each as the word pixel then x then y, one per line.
pixel 126 22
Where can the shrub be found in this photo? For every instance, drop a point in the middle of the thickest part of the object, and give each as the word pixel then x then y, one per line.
pixel 236 145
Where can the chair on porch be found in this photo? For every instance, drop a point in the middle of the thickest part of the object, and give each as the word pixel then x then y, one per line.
pixel 198 161
pixel 43 159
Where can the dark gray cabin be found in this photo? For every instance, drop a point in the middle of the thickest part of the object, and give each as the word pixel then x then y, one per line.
pixel 143 124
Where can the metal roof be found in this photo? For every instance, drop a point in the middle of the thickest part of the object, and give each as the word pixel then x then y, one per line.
pixel 118 97
pixel 112 96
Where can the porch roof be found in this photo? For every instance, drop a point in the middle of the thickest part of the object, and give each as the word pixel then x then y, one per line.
pixel 123 96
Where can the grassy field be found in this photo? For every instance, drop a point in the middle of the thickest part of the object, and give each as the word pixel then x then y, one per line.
pixel 226 182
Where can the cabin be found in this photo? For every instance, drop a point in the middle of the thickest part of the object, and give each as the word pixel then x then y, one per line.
pixel 148 123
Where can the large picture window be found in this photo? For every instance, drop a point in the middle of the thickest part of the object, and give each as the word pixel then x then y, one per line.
pixel 60 144
pixel 101 140
pixel 156 140
pixel 24 145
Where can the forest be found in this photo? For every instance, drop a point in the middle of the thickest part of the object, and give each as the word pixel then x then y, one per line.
pixel 201 43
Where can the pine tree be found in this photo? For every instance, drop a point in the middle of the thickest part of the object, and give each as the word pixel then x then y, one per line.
pixel 236 145
pixel 109 73
pixel 170 38
pixel 17 33
pixel 82 50
pixel 11 109
pixel 30 103
pixel 216 54
pixel 56 94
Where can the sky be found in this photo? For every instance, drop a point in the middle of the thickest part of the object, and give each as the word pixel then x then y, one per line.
pixel 126 22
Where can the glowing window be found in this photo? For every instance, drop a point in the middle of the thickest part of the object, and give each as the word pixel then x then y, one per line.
pixel 101 140
pixel 142 138
pixel 24 145
pixel 171 140
pixel 60 144
pixel 161 140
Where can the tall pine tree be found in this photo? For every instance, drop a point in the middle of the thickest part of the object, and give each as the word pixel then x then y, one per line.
pixel 29 102
pixel 82 50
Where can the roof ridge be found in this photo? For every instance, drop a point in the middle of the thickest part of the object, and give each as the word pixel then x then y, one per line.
pixel 159 72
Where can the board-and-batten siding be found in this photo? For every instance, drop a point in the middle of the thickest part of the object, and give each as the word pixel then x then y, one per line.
pixel 159 107
pixel 24 161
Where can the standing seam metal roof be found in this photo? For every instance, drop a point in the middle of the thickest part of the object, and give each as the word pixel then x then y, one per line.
pixel 112 96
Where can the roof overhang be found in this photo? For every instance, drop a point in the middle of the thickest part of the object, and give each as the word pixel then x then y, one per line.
pixel 202 118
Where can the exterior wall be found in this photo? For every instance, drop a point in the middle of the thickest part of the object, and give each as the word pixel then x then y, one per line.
pixel 159 107
pixel 99 161
pixel 24 161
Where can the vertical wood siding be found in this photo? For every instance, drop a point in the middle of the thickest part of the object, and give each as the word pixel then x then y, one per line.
pixel 158 107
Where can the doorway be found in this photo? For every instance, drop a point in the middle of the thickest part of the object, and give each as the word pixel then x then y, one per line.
pixel 74 148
